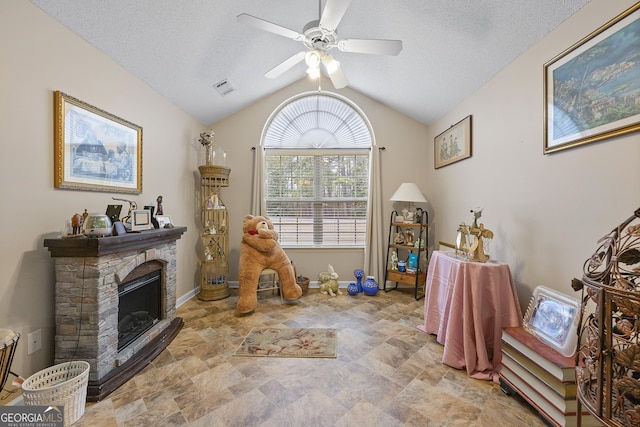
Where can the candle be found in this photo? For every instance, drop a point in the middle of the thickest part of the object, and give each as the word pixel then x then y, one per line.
pixel 225 159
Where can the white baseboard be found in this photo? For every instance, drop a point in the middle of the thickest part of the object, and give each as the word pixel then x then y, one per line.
pixel 186 297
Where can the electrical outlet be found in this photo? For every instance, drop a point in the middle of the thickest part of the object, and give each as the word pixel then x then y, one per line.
pixel 34 341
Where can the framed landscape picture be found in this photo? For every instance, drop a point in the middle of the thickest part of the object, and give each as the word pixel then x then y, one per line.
pixel 592 89
pixel 454 144
pixel 95 150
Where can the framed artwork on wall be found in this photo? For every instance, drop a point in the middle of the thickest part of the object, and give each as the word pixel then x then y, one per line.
pixel 95 150
pixel 592 89
pixel 454 144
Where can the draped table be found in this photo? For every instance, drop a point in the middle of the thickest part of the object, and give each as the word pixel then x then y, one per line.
pixel 467 304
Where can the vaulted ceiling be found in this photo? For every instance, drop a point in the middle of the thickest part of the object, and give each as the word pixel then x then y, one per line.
pixel 183 48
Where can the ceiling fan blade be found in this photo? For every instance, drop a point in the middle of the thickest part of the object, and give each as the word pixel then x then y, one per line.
pixel 338 78
pixel 285 65
pixel 261 24
pixel 372 46
pixel 333 12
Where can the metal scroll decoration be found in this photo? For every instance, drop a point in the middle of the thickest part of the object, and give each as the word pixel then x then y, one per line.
pixel 608 357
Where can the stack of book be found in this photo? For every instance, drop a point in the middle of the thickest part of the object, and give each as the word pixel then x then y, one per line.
pixel 542 376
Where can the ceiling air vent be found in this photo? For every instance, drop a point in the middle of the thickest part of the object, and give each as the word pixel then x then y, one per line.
pixel 223 87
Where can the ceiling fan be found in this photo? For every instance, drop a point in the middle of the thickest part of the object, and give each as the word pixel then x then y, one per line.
pixel 319 37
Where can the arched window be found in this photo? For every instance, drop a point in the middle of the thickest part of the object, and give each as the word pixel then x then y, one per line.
pixel 317 149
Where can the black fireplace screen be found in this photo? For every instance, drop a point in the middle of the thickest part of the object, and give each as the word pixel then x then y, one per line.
pixel 139 307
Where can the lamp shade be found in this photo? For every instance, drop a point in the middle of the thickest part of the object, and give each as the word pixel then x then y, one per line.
pixel 408 192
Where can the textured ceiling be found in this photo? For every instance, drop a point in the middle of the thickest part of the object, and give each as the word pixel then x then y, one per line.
pixel 182 48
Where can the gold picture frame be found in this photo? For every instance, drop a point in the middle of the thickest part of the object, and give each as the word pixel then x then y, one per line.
pixel 454 144
pixel 95 150
pixel 591 89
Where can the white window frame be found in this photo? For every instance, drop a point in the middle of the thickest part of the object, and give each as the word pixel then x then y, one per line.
pixel 343 148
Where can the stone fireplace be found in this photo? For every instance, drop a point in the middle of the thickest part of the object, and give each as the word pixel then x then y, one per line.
pixel 115 303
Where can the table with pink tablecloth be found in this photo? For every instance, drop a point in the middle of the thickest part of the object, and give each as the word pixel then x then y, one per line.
pixel 466 305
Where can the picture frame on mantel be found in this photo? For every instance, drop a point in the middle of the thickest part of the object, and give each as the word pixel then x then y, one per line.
pixel 95 150
pixel 591 90
pixel 454 144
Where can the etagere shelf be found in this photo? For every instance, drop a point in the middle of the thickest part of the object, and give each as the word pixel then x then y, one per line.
pixel 214 265
pixel 407 238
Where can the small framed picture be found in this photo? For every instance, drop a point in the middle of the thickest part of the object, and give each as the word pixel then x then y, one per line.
pixel 553 317
pixel 454 144
pixel 113 212
pixel 163 220
pixel 141 220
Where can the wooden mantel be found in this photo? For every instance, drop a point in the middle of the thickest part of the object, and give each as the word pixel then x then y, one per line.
pixel 99 246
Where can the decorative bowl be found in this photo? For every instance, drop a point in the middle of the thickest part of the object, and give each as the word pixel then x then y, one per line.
pixel 97 225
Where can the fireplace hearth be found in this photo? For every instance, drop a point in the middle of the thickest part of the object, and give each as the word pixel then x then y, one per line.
pixel 115 303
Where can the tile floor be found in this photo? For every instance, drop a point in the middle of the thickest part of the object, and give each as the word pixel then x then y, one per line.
pixel 387 373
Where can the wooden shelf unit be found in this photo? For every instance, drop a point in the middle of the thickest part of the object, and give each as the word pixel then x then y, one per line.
pixel 421 234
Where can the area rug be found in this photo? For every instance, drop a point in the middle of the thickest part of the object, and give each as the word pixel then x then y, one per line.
pixel 290 342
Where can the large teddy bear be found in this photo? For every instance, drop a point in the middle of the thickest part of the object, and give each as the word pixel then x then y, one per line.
pixel 260 249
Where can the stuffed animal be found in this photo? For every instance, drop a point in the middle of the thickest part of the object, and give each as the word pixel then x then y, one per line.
pixel 329 282
pixel 260 249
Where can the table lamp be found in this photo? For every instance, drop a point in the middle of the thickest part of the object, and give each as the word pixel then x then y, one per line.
pixel 408 192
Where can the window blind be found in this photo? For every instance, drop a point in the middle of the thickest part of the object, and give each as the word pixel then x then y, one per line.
pixel 318 199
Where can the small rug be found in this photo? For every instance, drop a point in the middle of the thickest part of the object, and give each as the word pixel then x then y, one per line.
pixel 290 342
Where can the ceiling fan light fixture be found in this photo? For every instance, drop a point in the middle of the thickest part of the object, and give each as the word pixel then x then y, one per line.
pixel 318 36
pixel 313 72
pixel 313 58
pixel 330 63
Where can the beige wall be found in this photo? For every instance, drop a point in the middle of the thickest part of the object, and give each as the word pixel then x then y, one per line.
pixel 547 211
pixel 38 57
pixel 404 159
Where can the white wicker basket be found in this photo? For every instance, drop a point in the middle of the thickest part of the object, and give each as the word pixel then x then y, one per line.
pixel 64 384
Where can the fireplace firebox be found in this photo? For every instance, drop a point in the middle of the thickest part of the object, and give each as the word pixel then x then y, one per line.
pixel 138 307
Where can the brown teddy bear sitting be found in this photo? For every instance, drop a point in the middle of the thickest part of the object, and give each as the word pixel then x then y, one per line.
pixel 260 249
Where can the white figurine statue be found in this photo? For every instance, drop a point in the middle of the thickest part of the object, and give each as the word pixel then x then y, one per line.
pixel 394 260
